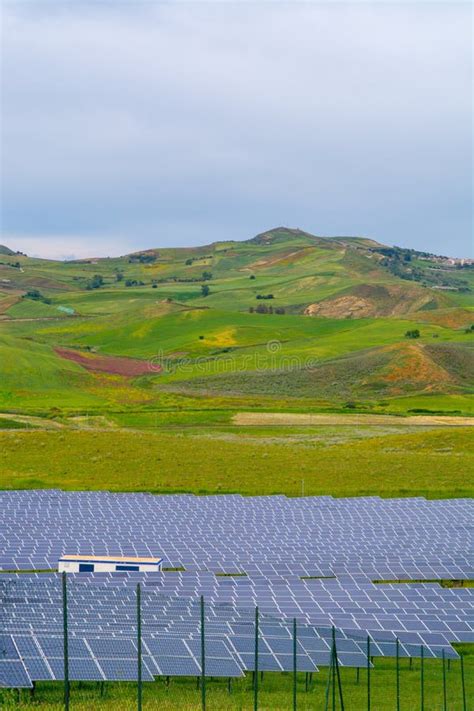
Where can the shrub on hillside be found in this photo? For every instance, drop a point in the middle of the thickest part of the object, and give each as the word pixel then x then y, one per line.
pixel 95 282
pixel 36 295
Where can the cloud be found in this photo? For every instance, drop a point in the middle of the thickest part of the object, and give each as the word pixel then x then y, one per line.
pixel 145 124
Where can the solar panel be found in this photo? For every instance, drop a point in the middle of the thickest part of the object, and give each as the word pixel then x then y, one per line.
pixel 314 559
pixel 13 674
pixel 177 666
pixel 120 669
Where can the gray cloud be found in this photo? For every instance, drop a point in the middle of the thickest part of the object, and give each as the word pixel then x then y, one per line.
pixel 129 125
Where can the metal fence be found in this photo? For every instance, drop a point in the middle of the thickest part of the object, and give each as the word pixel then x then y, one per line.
pixel 334 691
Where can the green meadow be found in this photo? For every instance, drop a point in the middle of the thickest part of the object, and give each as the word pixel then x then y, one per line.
pixel 432 462
pixel 129 373
pixel 156 353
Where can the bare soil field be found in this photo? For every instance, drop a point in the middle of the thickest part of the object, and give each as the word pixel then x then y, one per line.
pixel 115 365
pixel 284 418
pixel 31 420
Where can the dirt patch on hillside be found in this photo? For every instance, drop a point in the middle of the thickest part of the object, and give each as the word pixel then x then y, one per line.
pixel 413 364
pixel 8 301
pixel 282 258
pixel 285 419
pixel 370 300
pixel 455 358
pixel 115 365
pixel 450 318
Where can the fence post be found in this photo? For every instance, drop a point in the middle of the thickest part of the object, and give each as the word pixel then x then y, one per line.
pixel 338 671
pixel 333 670
pixel 444 683
pixel 397 654
pixel 203 658
pixel 294 663
pixel 422 679
pixel 255 681
pixel 368 672
pixel 66 644
pixel 328 685
pixel 139 648
pixel 463 684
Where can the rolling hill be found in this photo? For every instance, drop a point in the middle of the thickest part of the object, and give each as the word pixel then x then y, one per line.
pixel 286 314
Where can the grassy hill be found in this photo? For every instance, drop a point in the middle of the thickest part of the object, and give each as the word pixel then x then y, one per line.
pixel 314 321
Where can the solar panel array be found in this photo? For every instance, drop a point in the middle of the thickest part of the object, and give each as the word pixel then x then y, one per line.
pixel 313 559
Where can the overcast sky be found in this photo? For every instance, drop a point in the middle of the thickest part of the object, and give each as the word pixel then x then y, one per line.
pixel 129 125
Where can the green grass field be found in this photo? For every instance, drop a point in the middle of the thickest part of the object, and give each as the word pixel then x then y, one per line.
pixel 435 463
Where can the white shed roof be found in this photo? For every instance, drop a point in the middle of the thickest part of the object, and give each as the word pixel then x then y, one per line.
pixel 111 558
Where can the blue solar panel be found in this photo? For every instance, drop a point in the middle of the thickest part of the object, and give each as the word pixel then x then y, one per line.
pixel 177 666
pixel 280 544
pixel 123 669
pixel 167 646
pixel 113 648
pixel 7 648
pixel 13 674
pixel 37 669
pixel 84 670
pixel 223 667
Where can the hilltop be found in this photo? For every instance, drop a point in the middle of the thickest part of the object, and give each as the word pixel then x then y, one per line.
pixel 331 320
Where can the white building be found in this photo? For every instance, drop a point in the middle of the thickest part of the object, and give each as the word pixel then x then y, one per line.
pixel 107 564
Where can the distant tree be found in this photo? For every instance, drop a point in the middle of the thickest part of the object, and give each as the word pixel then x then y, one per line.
pixel 252 276
pixel 36 295
pixel 413 333
pixel 262 309
pixel 280 310
pixel 95 282
pixel 207 276
pixel 205 291
pixel 201 338
pixel 119 276
pixel 154 286
pixel 188 262
pixel 251 309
